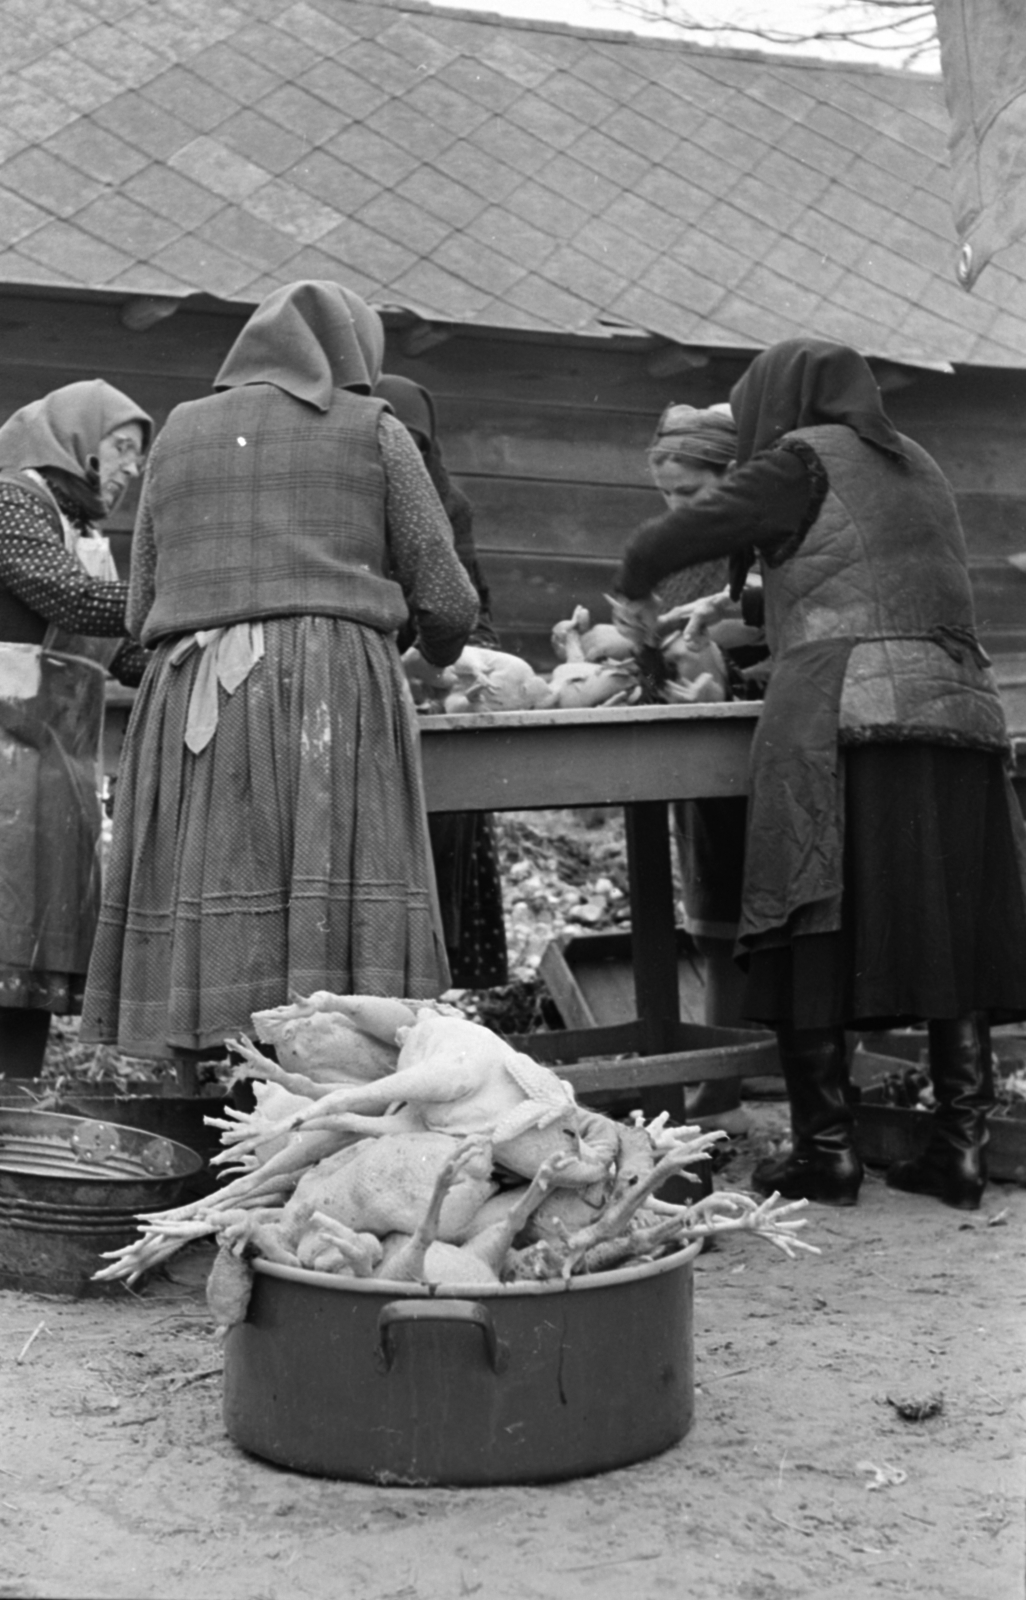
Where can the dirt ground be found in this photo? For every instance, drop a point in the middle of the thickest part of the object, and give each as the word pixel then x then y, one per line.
pixel 798 1478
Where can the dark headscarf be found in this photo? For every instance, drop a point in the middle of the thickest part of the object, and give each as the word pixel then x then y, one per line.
pixel 60 436
pixel 412 405
pixel 415 409
pixel 308 338
pixel 688 433
pixel 801 383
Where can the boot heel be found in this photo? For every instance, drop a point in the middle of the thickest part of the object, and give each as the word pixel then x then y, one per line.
pixel 953 1167
pixel 824 1164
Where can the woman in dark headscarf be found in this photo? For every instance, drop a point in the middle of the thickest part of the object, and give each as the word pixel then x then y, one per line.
pixel 64 462
pixel 463 843
pixel 269 830
pixel 884 878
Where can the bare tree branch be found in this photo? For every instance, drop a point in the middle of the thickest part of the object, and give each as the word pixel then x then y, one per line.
pixel 902 28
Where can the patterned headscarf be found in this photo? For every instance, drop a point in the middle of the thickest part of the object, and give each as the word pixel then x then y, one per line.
pixel 308 338
pixel 800 383
pixel 688 433
pixel 63 430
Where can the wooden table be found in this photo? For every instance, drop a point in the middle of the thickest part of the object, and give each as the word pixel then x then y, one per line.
pixel 636 757
pixel 640 758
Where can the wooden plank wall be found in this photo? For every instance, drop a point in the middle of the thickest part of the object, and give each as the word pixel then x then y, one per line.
pixel 548 438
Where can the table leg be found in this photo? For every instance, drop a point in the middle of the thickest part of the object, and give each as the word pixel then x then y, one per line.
pixel 654 941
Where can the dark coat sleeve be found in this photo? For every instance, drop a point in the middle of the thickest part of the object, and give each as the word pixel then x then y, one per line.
pixel 762 503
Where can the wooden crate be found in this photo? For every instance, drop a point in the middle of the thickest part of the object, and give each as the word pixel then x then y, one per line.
pixel 885 1134
pixel 601 1052
pixel 591 978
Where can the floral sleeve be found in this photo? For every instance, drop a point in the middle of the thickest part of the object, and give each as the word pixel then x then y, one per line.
pixel 35 566
pixel 142 586
pixel 439 593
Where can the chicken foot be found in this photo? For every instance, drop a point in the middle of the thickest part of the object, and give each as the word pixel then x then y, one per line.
pixel 255 1064
pixel 407 1265
pixel 494 1243
pixel 163 1233
pixel 730 1212
pixel 635 1244
pixel 616 1218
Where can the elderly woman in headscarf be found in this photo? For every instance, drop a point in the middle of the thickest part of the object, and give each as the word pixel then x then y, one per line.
pixel 463 843
pixel 884 874
pixel 269 828
pixel 691 451
pixel 64 463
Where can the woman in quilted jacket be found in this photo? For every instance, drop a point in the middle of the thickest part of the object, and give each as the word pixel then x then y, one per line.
pixel 885 873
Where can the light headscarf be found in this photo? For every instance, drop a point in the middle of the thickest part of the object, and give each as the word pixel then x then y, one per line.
pixel 801 383
pixel 63 430
pixel 308 338
pixel 692 433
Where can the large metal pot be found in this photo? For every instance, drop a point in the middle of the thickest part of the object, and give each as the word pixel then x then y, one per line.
pixel 392 1383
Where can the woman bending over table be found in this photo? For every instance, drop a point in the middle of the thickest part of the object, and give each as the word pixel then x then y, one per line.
pixel 269 824
pixel 884 875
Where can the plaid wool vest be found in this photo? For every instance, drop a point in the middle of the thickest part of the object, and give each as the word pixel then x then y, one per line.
pixel 263 506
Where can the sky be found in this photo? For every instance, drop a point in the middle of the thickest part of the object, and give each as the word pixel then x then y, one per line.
pixel 778 16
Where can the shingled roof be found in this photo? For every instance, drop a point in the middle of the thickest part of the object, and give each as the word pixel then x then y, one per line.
pixel 479 169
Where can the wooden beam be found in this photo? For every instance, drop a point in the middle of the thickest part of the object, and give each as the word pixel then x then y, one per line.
pixel 674 358
pixel 511 761
pixel 146 311
pixel 757 1060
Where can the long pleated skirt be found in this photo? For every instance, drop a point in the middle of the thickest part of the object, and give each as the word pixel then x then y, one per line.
pixel 290 855
pixel 933 916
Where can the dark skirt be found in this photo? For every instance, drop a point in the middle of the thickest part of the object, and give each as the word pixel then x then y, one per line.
pixel 934 908
pixel 466 861
pixel 711 852
pixel 290 855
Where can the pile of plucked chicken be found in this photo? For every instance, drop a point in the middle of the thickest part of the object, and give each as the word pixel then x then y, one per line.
pixel 623 662
pixel 397 1140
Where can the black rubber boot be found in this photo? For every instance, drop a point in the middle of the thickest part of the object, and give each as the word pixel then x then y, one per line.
pixel 823 1164
pixel 953 1167
pixel 23 1036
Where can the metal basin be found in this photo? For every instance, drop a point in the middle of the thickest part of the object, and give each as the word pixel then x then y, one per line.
pixel 394 1384
pixel 69 1161
pixel 71 1188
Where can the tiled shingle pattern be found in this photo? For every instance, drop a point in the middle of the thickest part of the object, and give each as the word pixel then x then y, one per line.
pixel 506 173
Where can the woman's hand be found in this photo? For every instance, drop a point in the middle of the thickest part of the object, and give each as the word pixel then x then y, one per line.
pixel 698 615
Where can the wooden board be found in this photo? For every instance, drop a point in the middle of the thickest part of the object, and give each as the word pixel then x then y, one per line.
pixel 513 761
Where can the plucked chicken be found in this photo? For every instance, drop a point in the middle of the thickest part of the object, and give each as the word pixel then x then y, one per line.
pixel 461 1078
pixel 414 1176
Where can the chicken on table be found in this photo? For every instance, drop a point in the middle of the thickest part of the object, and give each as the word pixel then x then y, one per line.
pixel 636 657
